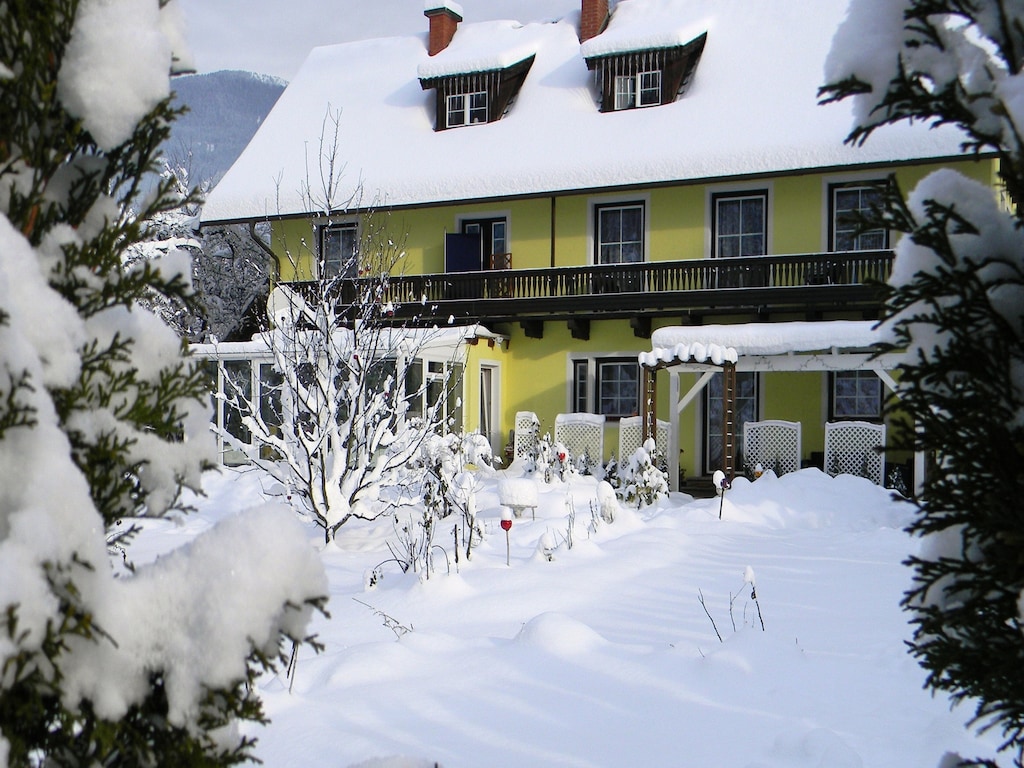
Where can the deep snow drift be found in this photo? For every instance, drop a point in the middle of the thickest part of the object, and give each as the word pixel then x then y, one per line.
pixel 602 654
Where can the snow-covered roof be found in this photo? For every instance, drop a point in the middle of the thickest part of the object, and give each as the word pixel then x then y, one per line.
pixel 644 26
pixel 751 109
pixel 482 47
pixel 727 343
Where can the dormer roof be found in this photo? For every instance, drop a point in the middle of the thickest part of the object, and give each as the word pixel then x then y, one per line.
pixel 751 109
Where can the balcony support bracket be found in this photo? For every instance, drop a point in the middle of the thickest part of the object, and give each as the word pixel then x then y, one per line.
pixel 579 327
pixel 534 329
pixel 641 326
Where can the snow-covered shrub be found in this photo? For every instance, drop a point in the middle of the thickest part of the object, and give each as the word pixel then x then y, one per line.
pixel 641 482
pixel 585 464
pixel 438 476
pixel 607 501
pixel 954 304
pixel 412 547
pixel 542 458
pixel 103 416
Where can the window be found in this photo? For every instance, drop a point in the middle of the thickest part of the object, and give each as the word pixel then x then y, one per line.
pixel 855 395
pixel 620 233
pixel 616 387
pixel 625 92
pixel 435 384
pixel 644 77
pixel 649 88
pixel 739 224
pixel 339 250
pixel 746 410
pixel 580 385
pixel 467 108
pixel 641 90
pixel 493 237
pixel 238 390
pixel 847 201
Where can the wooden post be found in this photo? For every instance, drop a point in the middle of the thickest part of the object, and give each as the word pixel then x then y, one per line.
pixel 729 420
pixel 649 406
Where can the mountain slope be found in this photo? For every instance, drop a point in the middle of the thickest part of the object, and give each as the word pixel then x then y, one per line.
pixel 224 110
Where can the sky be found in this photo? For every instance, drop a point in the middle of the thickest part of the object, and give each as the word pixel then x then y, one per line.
pixel 273 38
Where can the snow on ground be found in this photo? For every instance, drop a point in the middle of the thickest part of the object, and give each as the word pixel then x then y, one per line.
pixel 603 655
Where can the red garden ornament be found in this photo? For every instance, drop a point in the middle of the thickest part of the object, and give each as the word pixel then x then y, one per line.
pixel 506 525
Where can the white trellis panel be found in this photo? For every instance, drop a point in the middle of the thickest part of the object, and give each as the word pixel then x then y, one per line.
pixel 631 430
pixel 581 433
pixel 773 443
pixel 855 448
pixel 526 433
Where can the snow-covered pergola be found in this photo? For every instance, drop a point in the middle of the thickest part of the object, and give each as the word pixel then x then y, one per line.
pixel 836 345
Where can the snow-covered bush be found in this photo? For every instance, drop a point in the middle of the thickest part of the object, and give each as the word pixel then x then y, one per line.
pixel 607 501
pixel 102 416
pixel 638 480
pixel 446 485
pixel 955 304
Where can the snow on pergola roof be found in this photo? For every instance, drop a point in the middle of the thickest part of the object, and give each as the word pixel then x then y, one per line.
pixel 718 344
pixel 751 109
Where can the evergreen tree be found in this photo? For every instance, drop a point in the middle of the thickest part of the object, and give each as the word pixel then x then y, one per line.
pixel 956 303
pixel 103 416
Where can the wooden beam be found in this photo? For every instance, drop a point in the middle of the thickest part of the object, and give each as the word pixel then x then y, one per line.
pixel 534 329
pixel 641 326
pixel 579 327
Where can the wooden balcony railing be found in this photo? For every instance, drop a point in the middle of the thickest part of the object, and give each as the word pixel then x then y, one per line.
pixel 794 280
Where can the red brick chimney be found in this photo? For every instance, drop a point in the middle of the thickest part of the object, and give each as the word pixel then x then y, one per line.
pixel 592 19
pixel 444 16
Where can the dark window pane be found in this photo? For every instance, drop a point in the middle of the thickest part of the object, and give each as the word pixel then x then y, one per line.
pixel 728 217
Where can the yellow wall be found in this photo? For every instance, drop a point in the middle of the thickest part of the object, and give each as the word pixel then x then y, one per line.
pixel 533 372
pixel 677 221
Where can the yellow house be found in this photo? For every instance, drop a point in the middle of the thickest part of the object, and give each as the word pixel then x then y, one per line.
pixel 570 187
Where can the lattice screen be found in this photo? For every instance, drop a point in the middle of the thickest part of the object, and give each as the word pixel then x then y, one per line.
pixel 581 433
pixel 774 444
pixel 527 427
pixel 631 431
pixel 853 448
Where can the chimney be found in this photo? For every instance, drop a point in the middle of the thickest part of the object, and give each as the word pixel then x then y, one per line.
pixel 444 16
pixel 592 19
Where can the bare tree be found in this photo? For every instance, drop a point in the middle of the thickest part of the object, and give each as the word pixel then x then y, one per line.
pixel 335 427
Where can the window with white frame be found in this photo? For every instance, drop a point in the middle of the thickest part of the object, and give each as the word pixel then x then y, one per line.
pixel 339 250
pixel 739 224
pixel 606 386
pixel 466 108
pixel 855 395
pixel 435 384
pixel 848 203
pixel 640 90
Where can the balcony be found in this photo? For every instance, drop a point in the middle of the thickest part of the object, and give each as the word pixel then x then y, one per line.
pixel 760 286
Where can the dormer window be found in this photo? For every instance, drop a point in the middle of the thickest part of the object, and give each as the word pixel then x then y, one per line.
pixel 467 108
pixel 644 78
pixel 472 98
pixel 641 90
